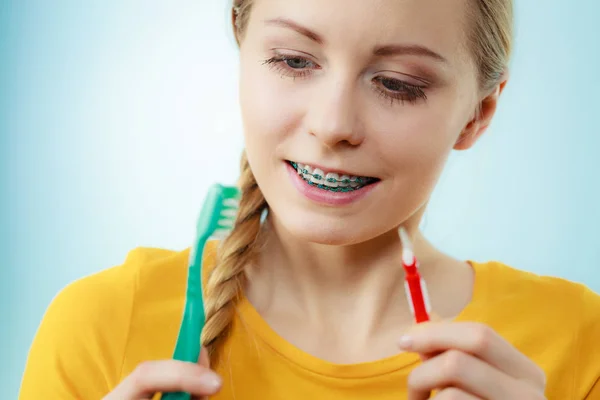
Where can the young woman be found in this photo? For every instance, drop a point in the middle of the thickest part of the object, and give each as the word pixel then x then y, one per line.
pixel 374 95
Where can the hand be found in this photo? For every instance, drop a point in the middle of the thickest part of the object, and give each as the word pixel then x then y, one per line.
pixel 168 376
pixel 469 361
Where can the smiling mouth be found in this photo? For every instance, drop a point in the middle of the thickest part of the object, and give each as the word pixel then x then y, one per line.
pixel 331 181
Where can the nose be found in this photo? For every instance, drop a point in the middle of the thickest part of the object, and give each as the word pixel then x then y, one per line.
pixel 334 115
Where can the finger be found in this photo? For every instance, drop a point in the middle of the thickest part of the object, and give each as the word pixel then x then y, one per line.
pixel 418 395
pixel 462 371
pixel 167 376
pixel 203 360
pixel 433 318
pixel 454 394
pixel 476 339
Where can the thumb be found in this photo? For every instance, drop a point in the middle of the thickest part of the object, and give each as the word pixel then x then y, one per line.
pixel 433 319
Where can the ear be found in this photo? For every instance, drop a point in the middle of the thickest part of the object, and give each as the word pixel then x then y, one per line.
pixel 482 119
pixel 234 24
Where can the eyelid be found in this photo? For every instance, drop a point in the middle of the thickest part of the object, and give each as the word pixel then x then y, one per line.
pixel 409 92
pixel 283 52
pixel 405 77
pixel 280 57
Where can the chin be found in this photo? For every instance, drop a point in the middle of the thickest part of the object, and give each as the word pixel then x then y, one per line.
pixel 331 231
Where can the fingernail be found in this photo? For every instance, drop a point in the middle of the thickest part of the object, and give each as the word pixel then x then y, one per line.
pixel 210 381
pixel 405 342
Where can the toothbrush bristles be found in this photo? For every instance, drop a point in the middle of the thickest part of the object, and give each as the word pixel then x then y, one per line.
pixel 407 252
pixel 405 239
pixel 233 203
pixel 229 213
pixel 221 233
pixel 227 223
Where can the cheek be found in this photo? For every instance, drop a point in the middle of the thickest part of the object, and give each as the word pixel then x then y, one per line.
pixel 268 112
pixel 408 144
pixel 270 115
pixel 421 139
pixel 414 144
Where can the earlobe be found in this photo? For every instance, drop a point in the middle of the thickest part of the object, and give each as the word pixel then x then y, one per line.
pixel 503 82
pixel 469 135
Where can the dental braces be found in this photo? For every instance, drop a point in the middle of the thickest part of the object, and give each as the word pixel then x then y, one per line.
pixel 359 181
pixel 332 189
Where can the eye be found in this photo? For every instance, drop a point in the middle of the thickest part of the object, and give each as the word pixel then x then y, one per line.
pixel 297 62
pixel 292 65
pixel 397 90
pixel 392 84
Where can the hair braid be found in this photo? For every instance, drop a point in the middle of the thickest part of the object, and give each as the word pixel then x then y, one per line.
pixel 226 281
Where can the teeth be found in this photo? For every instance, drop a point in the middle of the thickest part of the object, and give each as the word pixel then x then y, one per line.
pixel 309 172
pixel 317 177
pixel 332 176
pixel 344 181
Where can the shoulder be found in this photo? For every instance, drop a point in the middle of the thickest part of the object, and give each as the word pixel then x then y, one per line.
pixel 147 290
pixel 83 343
pixel 589 341
pixel 115 291
pixel 551 296
pixel 543 295
pixel 555 320
pixel 502 282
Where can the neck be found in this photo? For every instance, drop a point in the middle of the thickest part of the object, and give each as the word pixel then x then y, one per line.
pixel 356 285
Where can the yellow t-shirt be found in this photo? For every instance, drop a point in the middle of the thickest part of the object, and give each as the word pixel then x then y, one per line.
pixel 98 329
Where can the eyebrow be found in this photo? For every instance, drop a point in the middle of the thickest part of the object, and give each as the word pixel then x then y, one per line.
pixel 409 49
pixel 381 51
pixel 287 23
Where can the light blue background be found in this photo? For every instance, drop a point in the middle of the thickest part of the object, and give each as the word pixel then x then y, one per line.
pixel 112 112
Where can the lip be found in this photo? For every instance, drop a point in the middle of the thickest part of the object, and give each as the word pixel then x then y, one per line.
pixel 333 170
pixel 324 197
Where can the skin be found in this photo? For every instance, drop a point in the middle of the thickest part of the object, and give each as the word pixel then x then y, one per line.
pixel 331 112
pixel 168 376
pixel 311 92
pixel 338 269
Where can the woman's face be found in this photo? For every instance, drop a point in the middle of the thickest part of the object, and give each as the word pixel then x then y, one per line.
pixel 368 98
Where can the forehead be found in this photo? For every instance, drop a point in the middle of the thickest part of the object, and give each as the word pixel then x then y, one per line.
pixel 363 24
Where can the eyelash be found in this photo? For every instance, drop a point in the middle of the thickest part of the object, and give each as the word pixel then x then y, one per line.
pixel 403 91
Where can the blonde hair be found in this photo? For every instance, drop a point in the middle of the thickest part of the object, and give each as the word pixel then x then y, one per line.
pixel 226 281
pixel 490 42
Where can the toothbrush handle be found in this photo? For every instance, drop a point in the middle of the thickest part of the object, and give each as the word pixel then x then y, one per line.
pixel 188 342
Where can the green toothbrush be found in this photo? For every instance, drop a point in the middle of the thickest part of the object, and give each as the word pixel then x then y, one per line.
pixel 215 222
